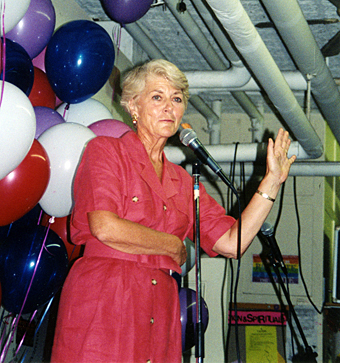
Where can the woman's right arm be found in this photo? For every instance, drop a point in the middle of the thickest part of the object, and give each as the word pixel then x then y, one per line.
pixel 134 238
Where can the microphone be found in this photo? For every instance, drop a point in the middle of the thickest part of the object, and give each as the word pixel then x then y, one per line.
pixel 267 231
pixel 189 138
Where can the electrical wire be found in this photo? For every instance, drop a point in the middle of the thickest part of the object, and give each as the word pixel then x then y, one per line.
pixel 299 248
pixel 237 276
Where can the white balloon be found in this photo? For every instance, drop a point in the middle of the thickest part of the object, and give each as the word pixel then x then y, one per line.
pixel 84 113
pixel 13 12
pixel 64 144
pixel 17 127
pixel 191 257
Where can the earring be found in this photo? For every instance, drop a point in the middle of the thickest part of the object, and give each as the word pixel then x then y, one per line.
pixel 134 120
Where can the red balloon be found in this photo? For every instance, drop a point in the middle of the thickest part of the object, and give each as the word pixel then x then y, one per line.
pixel 42 93
pixel 22 188
pixel 61 226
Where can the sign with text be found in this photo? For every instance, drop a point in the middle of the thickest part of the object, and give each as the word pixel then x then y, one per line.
pixel 257 317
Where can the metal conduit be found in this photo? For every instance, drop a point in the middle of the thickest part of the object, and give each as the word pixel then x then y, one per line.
pixel 237 73
pixel 296 34
pixel 306 169
pixel 247 40
pixel 248 152
pixel 149 47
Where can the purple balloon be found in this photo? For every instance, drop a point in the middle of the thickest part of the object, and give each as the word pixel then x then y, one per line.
pixel 39 60
pixel 109 127
pixel 35 29
pixel 126 11
pixel 187 300
pixel 46 118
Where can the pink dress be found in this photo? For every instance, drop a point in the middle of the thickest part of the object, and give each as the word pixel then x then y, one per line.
pixel 118 307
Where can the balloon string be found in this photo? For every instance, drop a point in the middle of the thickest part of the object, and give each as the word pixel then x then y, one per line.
pixel 65 111
pixel 24 335
pixel 50 221
pixel 8 341
pixel 40 216
pixel 25 299
pixel 72 252
pixel 3 327
pixel 3 51
pixel 36 330
pixel 117 39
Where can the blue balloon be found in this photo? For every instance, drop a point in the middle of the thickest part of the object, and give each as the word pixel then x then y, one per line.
pixel 30 219
pixel 18 258
pixel 178 279
pixel 19 67
pixel 187 299
pixel 79 59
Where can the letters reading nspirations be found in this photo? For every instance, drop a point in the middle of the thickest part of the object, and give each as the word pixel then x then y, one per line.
pixel 258 318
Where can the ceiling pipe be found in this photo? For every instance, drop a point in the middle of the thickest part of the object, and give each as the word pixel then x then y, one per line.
pixel 233 77
pixel 216 31
pixel 197 36
pixel 300 168
pixel 149 47
pixel 225 153
pixel 297 36
pixel 249 43
pixel 221 37
pixel 237 73
pixel 204 110
pixel 220 81
pixel 215 125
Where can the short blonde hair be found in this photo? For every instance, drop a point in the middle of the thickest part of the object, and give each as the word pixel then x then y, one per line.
pixel 134 82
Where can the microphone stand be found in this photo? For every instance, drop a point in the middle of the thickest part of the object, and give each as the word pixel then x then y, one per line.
pixel 305 354
pixel 199 346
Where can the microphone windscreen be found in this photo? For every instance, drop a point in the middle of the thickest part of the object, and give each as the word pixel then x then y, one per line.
pixel 267 229
pixel 187 136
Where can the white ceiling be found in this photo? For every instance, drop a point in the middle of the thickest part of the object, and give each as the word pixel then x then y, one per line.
pixel 167 34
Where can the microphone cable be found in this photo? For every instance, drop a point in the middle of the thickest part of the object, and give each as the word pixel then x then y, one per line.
pixel 299 250
pixel 232 287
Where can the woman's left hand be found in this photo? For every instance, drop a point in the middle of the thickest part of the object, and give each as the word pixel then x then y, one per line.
pixel 278 164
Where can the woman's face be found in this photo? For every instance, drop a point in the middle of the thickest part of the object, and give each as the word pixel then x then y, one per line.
pixel 159 109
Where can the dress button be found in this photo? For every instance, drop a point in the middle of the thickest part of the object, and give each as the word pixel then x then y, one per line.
pixel 154 282
pixel 148 361
pixel 152 320
pixel 164 207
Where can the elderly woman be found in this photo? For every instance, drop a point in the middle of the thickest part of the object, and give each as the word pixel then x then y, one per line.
pixel 133 210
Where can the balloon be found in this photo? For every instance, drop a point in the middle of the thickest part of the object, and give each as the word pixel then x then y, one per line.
pixel 18 260
pixel 109 127
pixel 85 113
pixel 126 11
pixel 39 60
pixel 178 279
pixel 30 219
pixel 191 257
pixel 22 188
pixel 46 118
pixel 42 93
pixel 19 67
pixel 35 29
pixel 61 226
pixel 187 299
pixel 14 11
pixel 64 144
pixel 79 60
pixel 17 125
